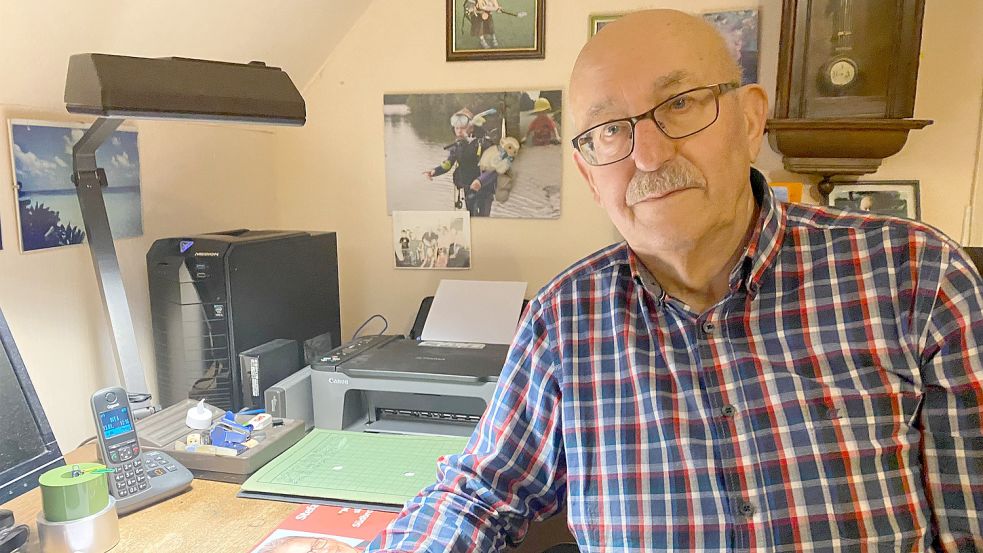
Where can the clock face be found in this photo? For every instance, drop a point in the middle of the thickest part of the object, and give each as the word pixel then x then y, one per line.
pixel 838 76
pixel 842 72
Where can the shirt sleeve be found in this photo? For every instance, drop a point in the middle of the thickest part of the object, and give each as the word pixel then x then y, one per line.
pixel 951 417
pixel 511 471
pixel 446 165
pixel 488 177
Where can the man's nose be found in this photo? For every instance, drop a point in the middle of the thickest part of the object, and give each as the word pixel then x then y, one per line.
pixel 652 147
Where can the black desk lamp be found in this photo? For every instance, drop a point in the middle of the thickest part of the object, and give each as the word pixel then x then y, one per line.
pixel 120 87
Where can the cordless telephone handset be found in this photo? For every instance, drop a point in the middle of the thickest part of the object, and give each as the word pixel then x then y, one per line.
pixel 139 479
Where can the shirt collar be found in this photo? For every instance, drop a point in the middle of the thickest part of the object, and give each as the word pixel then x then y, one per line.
pixel 641 275
pixel 759 254
pixel 766 241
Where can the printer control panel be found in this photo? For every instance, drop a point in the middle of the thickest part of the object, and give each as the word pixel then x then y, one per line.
pixel 330 360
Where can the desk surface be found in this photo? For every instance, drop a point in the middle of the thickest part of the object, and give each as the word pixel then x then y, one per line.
pixel 168 526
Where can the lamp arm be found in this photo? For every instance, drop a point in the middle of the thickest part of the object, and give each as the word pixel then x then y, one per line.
pixel 89 182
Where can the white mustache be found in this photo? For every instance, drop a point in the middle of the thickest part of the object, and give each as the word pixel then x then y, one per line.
pixel 675 175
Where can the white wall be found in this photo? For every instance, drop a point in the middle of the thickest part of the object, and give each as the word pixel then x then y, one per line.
pixel 333 175
pixel 195 178
pixel 38 36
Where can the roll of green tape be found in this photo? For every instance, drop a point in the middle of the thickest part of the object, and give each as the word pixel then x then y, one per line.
pixel 66 498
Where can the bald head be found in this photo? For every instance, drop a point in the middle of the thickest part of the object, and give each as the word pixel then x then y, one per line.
pixel 671 169
pixel 684 50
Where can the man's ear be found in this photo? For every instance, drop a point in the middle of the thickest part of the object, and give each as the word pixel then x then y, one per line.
pixel 754 104
pixel 584 169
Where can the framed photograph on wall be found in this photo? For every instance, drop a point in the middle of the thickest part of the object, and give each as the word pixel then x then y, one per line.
pixel 897 198
pixel 740 30
pixel 432 239
pixel 492 154
pixel 48 210
pixel 599 20
pixel 495 29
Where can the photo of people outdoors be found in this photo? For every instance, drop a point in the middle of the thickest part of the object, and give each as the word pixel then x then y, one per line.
pixel 432 239
pixel 490 154
pixel 494 29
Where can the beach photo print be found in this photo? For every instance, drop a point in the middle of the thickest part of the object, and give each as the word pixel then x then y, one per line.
pixel 48 211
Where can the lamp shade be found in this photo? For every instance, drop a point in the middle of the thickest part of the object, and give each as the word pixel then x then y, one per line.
pixel 181 88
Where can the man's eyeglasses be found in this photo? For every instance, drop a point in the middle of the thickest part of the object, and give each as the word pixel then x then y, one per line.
pixel 682 115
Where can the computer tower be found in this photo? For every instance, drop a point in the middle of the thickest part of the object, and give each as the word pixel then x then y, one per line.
pixel 217 295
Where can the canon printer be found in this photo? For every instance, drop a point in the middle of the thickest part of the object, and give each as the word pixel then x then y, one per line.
pixel 396 384
pixel 400 385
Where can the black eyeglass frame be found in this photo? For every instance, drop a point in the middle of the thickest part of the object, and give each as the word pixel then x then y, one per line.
pixel 717 89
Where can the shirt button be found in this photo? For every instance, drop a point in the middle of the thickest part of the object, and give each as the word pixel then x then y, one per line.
pixel 708 327
pixel 747 509
pixel 728 410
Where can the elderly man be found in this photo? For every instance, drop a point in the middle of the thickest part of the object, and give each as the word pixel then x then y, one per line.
pixel 741 374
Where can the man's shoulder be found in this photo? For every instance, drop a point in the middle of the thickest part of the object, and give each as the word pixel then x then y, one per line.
pixel 602 263
pixel 873 242
pixel 835 222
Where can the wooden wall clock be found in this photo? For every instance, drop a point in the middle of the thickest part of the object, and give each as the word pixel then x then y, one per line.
pixel 847 72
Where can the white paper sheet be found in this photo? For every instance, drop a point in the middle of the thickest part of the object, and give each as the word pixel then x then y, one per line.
pixel 475 311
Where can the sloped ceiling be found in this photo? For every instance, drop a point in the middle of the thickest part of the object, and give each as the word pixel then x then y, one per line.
pixel 38 36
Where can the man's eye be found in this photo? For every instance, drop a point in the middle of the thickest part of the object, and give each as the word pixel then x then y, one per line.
pixel 681 103
pixel 612 130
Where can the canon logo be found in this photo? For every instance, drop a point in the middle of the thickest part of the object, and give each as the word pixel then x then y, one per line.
pixel 337 380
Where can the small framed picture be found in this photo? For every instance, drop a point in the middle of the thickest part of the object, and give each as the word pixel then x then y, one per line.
pixel 48 211
pixel 495 29
pixel 599 20
pixel 740 31
pixel 897 198
pixel 432 239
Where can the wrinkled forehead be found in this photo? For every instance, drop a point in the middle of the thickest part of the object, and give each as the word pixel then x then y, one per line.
pixel 607 94
pixel 633 64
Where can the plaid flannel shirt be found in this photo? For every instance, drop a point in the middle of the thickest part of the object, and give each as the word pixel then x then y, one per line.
pixel 833 400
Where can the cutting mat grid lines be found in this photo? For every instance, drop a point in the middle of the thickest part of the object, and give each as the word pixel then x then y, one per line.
pixel 355 466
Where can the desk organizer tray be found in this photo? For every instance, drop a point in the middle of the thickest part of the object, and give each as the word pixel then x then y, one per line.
pixel 161 430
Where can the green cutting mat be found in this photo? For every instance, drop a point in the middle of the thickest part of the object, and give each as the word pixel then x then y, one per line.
pixel 355 466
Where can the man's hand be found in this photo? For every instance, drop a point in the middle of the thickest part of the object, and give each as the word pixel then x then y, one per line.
pixel 476 185
pixel 428 174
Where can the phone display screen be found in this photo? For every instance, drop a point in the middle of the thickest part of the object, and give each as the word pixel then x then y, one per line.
pixel 115 422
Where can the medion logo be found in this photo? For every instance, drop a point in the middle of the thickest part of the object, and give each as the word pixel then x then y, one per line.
pixel 337 380
pixel 207 254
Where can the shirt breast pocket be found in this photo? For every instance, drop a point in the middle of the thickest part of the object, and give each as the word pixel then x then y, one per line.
pixel 855 409
pixel 857 454
pixel 861 419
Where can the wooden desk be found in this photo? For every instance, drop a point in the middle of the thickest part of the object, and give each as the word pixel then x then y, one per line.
pixel 210 518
